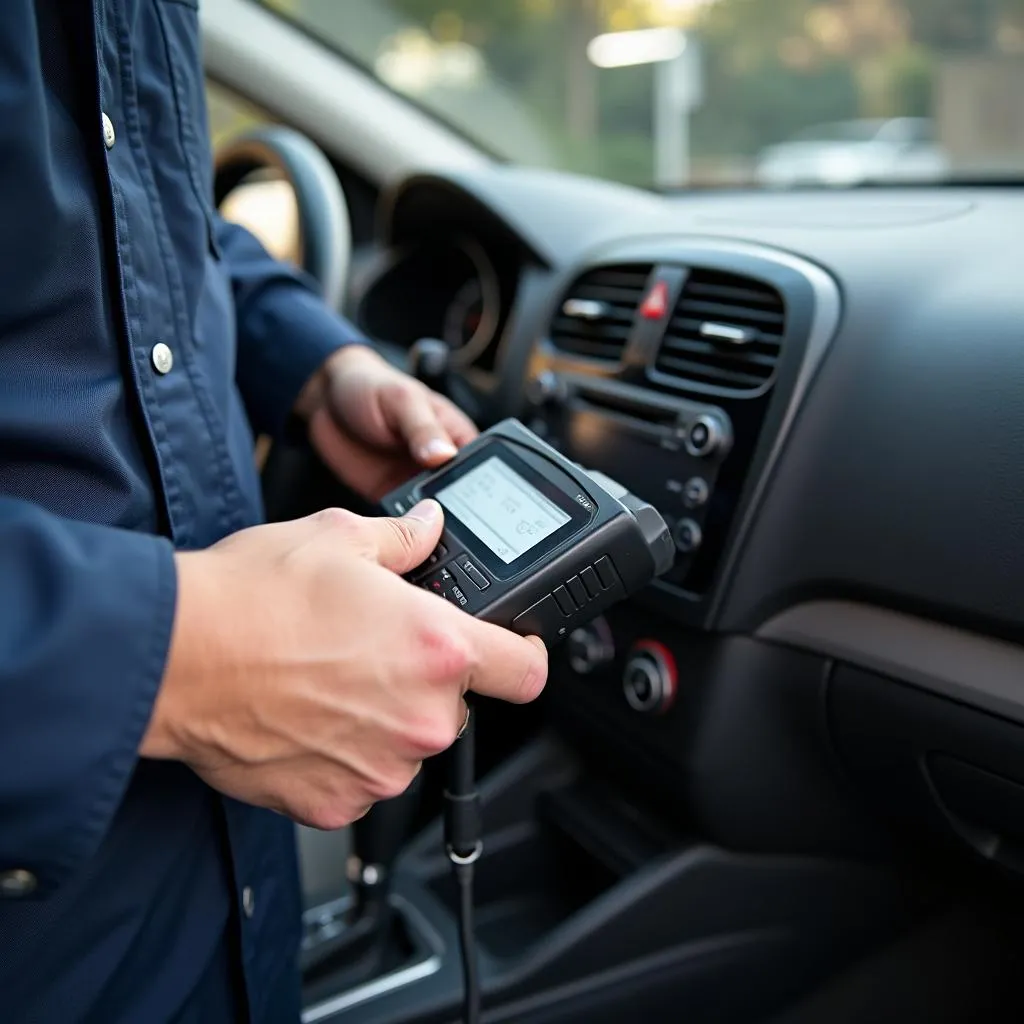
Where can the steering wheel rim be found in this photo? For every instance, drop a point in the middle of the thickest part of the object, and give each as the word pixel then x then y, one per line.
pixel 325 230
pixel 294 481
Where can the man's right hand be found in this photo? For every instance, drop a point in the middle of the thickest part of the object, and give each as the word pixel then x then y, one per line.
pixel 305 675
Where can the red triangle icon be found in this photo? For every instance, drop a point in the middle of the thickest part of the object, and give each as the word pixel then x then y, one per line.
pixel 655 306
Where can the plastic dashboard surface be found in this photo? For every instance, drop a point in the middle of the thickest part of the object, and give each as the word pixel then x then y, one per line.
pixel 900 480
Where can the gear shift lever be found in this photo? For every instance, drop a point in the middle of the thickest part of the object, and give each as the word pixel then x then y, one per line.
pixel 377 840
pixel 360 949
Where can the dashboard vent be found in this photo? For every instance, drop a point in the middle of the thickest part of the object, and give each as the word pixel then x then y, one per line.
pixel 596 316
pixel 725 331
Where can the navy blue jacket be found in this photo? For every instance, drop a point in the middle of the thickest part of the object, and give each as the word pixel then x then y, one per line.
pixel 121 880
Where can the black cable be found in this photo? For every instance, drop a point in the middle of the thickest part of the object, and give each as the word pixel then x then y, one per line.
pixel 463 847
pixel 467 940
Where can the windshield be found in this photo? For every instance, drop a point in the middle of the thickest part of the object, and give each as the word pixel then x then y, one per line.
pixel 671 93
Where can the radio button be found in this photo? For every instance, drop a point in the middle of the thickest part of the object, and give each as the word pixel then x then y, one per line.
pixel 478 579
pixel 456 596
pixel 563 600
pixel 695 492
pixel 590 581
pixel 700 435
pixel 576 589
pixel 605 572
pixel 688 536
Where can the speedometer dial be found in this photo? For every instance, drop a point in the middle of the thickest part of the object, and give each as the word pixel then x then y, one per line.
pixel 444 288
pixel 472 315
pixel 464 316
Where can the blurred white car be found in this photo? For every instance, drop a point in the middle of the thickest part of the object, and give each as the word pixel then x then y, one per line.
pixel 846 153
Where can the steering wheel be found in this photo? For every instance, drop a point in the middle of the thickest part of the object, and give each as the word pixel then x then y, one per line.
pixel 295 482
pixel 324 229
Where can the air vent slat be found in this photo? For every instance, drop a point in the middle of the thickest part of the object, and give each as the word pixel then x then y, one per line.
pixel 591 348
pixel 689 327
pixel 596 315
pixel 688 348
pixel 726 331
pixel 626 297
pixel 735 296
pixel 705 373
pixel 733 314
pixel 605 330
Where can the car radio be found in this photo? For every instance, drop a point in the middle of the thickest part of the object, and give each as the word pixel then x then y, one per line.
pixel 532 541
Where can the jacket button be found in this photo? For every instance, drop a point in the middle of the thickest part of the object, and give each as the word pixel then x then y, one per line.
pixel 163 358
pixel 109 137
pixel 17 883
pixel 248 901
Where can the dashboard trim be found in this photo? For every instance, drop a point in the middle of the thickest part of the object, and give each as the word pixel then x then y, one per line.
pixel 825 319
pixel 976 670
pixel 823 314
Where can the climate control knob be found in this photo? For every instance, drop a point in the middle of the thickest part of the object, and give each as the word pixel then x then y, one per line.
pixel 649 679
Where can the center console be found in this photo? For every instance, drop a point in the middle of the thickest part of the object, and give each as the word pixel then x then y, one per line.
pixel 633 867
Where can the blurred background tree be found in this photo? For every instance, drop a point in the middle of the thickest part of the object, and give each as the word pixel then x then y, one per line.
pixel 772 67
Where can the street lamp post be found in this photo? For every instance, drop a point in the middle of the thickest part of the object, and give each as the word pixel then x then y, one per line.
pixel 677 89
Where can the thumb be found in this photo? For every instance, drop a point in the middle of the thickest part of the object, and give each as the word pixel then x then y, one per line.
pixel 402 543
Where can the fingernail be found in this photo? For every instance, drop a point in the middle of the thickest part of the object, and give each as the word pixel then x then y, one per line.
pixel 437 448
pixel 426 511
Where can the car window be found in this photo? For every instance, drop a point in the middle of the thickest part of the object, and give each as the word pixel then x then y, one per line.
pixel 675 92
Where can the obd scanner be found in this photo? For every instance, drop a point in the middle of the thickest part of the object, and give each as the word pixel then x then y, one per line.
pixel 536 544
pixel 532 541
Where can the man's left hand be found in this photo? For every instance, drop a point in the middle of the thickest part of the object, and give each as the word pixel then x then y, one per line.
pixel 375 426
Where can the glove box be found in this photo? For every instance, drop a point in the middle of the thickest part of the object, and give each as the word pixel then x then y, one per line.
pixel 931 763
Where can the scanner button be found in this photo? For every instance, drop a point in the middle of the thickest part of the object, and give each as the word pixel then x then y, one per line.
pixel 435 556
pixel 479 580
pixel 438 582
pixel 564 601
pixel 576 589
pixel 590 581
pixel 605 572
pixel 456 596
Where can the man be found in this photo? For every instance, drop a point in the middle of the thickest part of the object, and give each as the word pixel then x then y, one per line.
pixel 159 683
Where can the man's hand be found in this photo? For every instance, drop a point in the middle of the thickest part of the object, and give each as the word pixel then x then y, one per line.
pixel 305 675
pixel 376 426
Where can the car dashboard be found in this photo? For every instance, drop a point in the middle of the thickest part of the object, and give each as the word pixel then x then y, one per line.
pixel 823 392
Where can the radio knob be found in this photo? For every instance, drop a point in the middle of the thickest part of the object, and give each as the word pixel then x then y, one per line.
pixel 649 678
pixel 706 436
pixel 590 647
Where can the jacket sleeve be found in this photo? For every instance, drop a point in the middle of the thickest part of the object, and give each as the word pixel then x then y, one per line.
pixel 285 330
pixel 86 614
